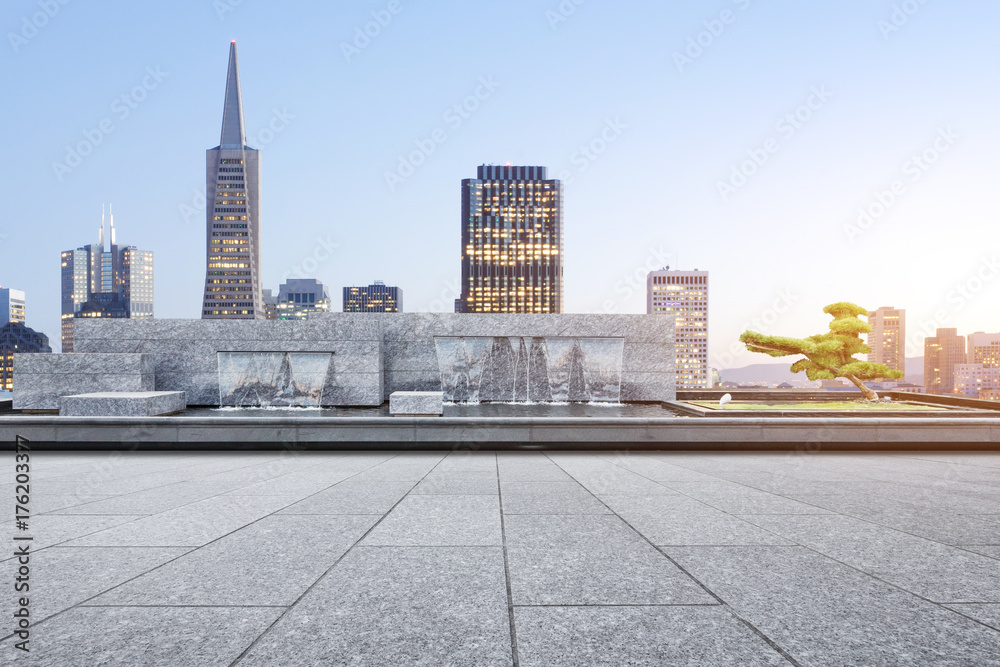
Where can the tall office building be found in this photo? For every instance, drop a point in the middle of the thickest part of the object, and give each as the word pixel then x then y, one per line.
pixel 375 298
pixel 15 338
pixel 298 298
pixel 12 306
pixel 232 280
pixel 512 242
pixel 984 348
pixel 887 338
pixel 684 294
pixel 100 280
pixel 942 353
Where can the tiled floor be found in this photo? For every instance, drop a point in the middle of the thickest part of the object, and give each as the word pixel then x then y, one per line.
pixel 530 559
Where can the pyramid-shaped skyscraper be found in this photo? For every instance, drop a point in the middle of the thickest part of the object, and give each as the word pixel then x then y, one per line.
pixel 232 280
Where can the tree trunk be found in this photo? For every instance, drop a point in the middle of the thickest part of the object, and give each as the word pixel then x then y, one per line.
pixel 869 394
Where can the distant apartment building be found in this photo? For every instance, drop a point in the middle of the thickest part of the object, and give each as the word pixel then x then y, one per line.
pixel 375 298
pixel 941 354
pixel 16 338
pixel 983 348
pixel 12 306
pixel 512 241
pixel 975 379
pixel 684 294
pixel 298 298
pixel 887 338
pixel 100 281
pixel 990 394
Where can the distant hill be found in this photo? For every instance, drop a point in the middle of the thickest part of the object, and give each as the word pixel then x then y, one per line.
pixel 775 374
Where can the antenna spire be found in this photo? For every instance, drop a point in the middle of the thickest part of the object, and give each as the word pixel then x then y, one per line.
pixel 233 132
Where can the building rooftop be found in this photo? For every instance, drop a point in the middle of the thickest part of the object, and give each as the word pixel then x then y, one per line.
pixel 474 558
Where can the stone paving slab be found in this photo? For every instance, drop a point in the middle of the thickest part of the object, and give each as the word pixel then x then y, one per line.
pixel 824 613
pixel 270 562
pixel 352 496
pixel 549 498
pixel 446 521
pixel 738 499
pixel 192 525
pixel 591 560
pixel 638 637
pixel 151 501
pixel 50 529
pixel 62 577
pixel 603 477
pixel 679 520
pixel 458 483
pixel 151 637
pixel 431 606
pixel 932 570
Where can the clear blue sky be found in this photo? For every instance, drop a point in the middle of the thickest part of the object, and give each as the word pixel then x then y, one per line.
pixel 559 80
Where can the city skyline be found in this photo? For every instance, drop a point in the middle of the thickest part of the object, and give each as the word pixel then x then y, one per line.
pixel 799 141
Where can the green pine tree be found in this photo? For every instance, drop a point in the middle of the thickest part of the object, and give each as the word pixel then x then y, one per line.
pixel 829 355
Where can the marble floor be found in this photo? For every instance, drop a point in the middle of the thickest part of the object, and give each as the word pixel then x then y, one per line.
pixel 532 559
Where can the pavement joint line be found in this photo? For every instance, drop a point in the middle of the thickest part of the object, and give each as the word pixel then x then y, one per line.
pixel 698 500
pixel 183 606
pixel 187 481
pixel 163 486
pixel 823 555
pixel 160 546
pixel 699 604
pixel 515 656
pixel 320 578
pixel 770 642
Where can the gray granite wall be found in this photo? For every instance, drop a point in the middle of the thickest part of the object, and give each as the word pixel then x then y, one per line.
pixel 375 354
pixel 40 380
pixel 185 352
pixel 648 364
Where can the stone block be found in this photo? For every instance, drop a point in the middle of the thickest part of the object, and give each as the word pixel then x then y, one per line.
pixel 416 403
pixel 42 379
pixel 123 404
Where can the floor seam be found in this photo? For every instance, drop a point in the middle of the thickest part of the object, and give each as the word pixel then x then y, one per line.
pixel 292 606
